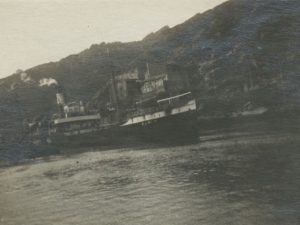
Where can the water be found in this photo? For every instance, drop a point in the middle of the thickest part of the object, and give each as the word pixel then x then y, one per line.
pixel 224 179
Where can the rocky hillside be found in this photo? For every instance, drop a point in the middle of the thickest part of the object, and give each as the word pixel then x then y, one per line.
pixel 241 51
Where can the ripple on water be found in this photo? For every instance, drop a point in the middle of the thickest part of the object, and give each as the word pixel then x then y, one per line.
pixel 227 183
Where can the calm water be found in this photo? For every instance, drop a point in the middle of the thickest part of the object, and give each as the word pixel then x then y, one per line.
pixel 231 179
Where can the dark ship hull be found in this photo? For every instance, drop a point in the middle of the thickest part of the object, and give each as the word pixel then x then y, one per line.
pixel 172 120
pixel 179 128
pixel 134 115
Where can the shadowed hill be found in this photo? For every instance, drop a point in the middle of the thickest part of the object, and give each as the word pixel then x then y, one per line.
pixel 240 51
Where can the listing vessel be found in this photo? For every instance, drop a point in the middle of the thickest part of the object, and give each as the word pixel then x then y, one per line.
pixel 139 111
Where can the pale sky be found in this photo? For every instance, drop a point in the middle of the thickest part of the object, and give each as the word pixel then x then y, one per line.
pixel 34 32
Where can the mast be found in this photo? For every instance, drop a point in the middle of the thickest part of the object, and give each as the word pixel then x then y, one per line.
pixel 114 87
pixel 148 72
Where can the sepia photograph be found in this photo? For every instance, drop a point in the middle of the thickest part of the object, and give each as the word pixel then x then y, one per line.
pixel 150 112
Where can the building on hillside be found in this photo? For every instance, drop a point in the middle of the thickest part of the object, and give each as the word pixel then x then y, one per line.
pixel 154 85
pixel 126 86
pixel 170 80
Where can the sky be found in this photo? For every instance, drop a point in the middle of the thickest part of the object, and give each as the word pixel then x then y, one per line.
pixel 34 32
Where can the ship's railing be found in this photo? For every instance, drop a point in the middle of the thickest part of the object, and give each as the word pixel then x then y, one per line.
pixel 175 98
pixel 157 109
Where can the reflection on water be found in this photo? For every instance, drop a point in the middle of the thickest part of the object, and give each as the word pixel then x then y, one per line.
pixel 240 180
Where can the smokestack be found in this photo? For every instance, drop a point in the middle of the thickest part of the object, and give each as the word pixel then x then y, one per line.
pixel 60 97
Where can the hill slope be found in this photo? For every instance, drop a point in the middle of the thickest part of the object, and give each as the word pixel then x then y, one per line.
pixel 240 51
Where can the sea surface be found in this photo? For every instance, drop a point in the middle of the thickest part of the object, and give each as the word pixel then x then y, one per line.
pixel 233 178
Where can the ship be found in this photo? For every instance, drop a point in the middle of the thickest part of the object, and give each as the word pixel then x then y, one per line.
pixel 156 116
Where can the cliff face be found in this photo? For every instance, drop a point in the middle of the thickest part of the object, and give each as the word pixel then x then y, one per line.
pixel 240 51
